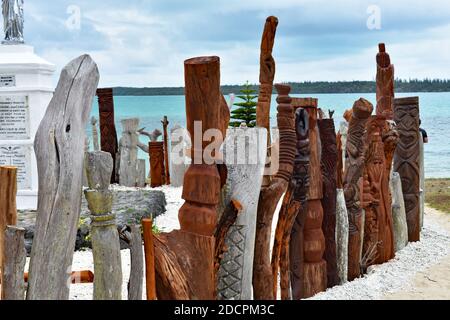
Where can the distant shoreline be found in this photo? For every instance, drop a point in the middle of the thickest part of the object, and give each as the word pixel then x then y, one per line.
pixel 322 87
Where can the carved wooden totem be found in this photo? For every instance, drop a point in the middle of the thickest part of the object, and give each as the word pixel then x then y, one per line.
pixel 406 160
pixel 315 267
pixel 184 259
pixel 156 152
pixel 271 194
pixel 385 84
pixel 165 124
pixel 301 178
pixel 108 134
pixel 329 173
pixel 356 148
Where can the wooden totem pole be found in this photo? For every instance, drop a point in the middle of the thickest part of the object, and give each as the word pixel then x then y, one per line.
pixel 58 145
pixel 184 259
pixel 315 267
pixel 165 124
pixel 128 174
pixel 385 84
pixel 108 134
pixel 301 178
pixel 105 238
pixel 156 152
pixel 329 172
pixel 270 195
pixel 406 160
pixel 356 149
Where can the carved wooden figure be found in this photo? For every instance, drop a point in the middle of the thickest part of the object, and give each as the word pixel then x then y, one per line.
pixel 407 158
pixel 156 152
pixel 58 143
pixel 128 152
pixel 105 238
pixel 245 155
pixel 356 149
pixel 95 140
pixel 329 173
pixel 301 178
pixel 108 134
pixel 8 209
pixel 385 84
pixel 165 124
pixel 270 195
pixel 13 265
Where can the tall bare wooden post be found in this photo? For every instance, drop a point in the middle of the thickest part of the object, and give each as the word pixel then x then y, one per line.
pixel 58 143
pixel 385 84
pixel 165 124
pixel 8 210
pixel 128 175
pixel 105 238
pixel 14 258
pixel 108 134
pixel 147 226
pixel 94 122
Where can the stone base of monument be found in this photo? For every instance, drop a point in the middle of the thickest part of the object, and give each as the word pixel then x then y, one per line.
pixel 26 88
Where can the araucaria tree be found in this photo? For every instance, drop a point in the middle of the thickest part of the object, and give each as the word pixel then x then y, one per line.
pixel 246 109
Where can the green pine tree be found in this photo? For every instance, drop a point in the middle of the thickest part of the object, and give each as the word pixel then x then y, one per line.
pixel 246 109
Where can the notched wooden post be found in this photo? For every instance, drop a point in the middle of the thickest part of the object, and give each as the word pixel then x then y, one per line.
pixel 58 146
pixel 14 258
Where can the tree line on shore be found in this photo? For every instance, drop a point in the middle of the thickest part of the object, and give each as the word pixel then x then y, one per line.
pixel 411 85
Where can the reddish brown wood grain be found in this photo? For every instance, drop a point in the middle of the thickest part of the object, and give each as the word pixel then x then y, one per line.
pixel 156 153
pixel 385 84
pixel 149 249
pixel 8 209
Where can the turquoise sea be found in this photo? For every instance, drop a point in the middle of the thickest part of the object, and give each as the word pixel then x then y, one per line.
pixel 434 110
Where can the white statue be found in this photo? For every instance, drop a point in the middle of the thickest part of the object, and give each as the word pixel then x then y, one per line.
pixel 13 21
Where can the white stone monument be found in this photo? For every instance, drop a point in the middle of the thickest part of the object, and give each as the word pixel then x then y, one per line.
pixel 26 87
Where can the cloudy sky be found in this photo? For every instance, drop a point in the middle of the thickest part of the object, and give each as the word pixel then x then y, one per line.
pixel 144 42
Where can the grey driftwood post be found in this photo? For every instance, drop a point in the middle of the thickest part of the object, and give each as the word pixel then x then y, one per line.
pixel 422 180
pixel 58 143
pixel 128 152
pixel 15 255
pixel 104 235
pixel 135 284
pixel 245 156
pixel 141 177
pixel 341 236
pixel 95 134
pixel 177 156
pixel 398 212
pixel 343 130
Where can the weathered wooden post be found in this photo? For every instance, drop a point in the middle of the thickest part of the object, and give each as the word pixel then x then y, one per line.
pixel 108 134
pixel 135 287
pixel 95 134
pixel 156 152
pixel 270 195
pixel 301 178
pixel 356 149
pixel 8 209
pixel 177 156
pixel 341 237
pixel 150 278
pixel 398 213
pixel 165 124
pixel 60 134
pixel 407 160
pixel 244 154
pixel 422 180
pixel 13 265
pixel 128 152
pixel 341 142
pixel 385 84
pixel 329 173
pixel 141 174
pixel 315 267
pixel 105 238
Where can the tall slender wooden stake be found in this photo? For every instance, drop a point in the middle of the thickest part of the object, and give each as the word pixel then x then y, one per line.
pixel 356 149
pixel 14 258
pixel 385 84
pixel 58 143
pixel 8 210
pixel 108 134
pixel 270 195
pixel 165 124
pixel 105 238
pixel 147 226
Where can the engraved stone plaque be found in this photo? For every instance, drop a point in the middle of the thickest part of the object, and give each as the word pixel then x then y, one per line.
pixel 14 118
pixel 7 81
pixel 20 157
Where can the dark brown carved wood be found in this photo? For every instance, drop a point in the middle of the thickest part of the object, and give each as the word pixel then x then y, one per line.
pixel 315 267
pixel 156 153
pixel 301 178
pixel 165 124
pixel 356 149
pixel 184 259
pixel 385 84
pixel 270 195
pixel 406 160
pixel 108 134
pixel 329 173
pixel 340 162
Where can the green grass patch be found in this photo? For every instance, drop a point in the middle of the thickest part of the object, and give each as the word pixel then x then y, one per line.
pixel 437 194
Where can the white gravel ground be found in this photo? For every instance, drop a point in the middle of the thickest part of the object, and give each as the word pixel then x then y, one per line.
pixel 381 280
